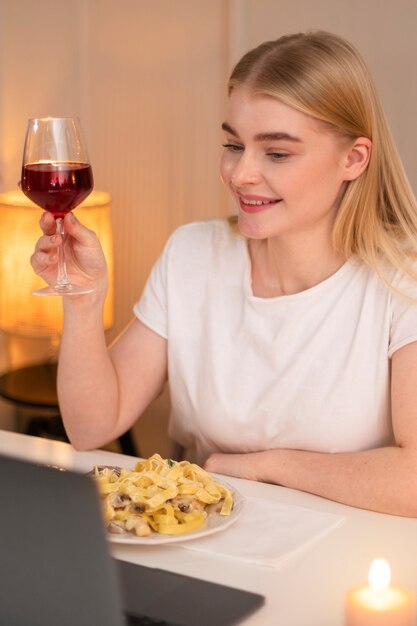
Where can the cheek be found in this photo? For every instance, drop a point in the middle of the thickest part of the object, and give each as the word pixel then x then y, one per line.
pixel 226 168
pixel 323 179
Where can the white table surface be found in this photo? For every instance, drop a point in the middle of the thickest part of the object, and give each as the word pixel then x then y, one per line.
pixel 307 590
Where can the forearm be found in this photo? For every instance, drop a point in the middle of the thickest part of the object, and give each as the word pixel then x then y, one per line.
pixel 87 381
pixel 383 479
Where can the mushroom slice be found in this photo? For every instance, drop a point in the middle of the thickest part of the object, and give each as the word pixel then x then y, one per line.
pixel 138 525
pixel 116 528
pixel 136 507
pixel 187 504
pixel 118 500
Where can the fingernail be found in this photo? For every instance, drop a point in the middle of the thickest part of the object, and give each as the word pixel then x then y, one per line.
pixel 72 218
pixel 52 239
pixel 52 257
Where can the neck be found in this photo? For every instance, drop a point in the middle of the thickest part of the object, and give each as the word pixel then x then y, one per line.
pixel 288 267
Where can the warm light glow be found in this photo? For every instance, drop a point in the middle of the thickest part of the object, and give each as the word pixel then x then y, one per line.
pixel 379 576
pixel 21 312
pixel 379 603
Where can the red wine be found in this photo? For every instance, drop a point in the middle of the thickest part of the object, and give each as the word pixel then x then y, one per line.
pixel 57 188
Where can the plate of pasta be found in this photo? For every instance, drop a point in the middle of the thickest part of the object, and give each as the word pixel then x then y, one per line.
pixel 164 501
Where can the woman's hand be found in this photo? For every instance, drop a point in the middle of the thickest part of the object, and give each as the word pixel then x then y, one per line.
pixel 84 257
pixel 247 466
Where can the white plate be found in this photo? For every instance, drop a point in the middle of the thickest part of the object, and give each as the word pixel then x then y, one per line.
pixel 214 524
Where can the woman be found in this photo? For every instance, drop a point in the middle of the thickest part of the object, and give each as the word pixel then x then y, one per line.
pixel 288 337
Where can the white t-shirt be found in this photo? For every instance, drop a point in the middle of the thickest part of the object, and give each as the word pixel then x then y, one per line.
pixel 306 371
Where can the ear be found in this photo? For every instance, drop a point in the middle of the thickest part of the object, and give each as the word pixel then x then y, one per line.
pixel 357 157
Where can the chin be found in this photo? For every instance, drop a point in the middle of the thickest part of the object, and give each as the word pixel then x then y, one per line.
pixel 252 229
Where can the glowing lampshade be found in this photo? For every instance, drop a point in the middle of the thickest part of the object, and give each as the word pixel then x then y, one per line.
pixel 21 312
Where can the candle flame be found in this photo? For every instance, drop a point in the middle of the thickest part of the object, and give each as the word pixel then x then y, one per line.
pixel 379 576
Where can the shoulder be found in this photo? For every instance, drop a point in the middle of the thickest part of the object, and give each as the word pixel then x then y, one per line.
pixel 401 281
pixel 389 280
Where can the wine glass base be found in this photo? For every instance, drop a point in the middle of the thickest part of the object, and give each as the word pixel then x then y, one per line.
pixel 62 290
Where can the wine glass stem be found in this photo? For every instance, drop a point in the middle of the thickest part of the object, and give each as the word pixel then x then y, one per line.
pixel 63 280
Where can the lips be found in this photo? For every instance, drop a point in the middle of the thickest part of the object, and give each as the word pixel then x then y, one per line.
pixel 256 204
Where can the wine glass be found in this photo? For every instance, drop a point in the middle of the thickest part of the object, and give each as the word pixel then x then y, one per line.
pixel 57 176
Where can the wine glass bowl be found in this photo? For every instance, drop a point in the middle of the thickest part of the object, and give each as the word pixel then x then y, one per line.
pixel 57 187
pixel 57 176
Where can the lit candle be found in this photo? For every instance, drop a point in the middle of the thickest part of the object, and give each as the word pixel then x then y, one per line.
pixel 379 603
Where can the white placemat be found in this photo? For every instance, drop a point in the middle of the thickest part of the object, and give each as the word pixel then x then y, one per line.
pixel 268 533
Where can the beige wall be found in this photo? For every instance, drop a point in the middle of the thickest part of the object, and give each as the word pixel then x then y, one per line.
pixel 147 79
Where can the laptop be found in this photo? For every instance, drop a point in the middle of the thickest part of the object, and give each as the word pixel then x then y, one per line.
pixel 56 567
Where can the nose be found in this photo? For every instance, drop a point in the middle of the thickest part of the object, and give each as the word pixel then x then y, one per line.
pixel 245 172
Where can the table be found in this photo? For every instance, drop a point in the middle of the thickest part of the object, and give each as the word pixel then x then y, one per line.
pixel 308 590
pixel 33 388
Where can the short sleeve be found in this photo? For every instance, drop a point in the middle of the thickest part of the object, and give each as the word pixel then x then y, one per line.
pixel 152 307
pixel 403 315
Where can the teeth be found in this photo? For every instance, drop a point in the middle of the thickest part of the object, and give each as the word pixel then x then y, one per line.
pixel 257 202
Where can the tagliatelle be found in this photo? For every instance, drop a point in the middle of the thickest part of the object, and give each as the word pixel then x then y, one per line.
pixel 160 496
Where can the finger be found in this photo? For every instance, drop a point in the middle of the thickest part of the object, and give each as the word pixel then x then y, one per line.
pixel 213 462
pixel 47 223
pixel 81 233
pixel 230 464
pixel 41 261
pixel 48 243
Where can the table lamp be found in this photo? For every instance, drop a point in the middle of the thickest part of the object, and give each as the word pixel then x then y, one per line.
pixel 22 313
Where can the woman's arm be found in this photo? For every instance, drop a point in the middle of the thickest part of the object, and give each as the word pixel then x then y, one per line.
pixel 101 392
pixel 383 479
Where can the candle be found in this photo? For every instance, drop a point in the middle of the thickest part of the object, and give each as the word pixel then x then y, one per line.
pixel 379 603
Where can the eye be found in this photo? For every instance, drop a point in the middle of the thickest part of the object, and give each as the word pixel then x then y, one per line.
pixel 277 156
pixel 233 147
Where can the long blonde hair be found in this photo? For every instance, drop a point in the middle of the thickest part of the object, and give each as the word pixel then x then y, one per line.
pixel 322 75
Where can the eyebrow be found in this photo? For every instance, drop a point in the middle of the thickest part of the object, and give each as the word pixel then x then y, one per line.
pixel 273 136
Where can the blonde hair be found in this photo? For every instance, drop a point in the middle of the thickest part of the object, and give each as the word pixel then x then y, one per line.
pixel 322 75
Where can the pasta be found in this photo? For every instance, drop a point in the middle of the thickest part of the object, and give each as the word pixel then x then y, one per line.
pixel 159 496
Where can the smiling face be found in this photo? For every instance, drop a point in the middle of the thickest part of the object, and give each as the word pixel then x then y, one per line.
pixel 286 170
